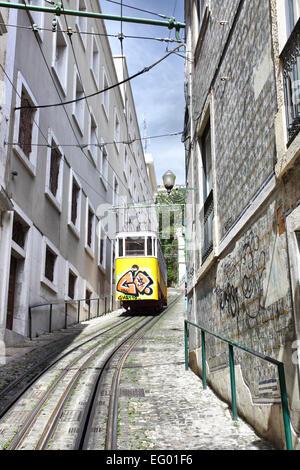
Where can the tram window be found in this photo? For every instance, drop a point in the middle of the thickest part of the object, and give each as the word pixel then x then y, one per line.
pixel 149 246
pixel 135 246
pixel 120 246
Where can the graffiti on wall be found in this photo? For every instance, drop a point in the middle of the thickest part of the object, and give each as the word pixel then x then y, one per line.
pixel 135 282
pixel 242 291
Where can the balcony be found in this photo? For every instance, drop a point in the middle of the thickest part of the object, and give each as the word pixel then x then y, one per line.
pixel 290 57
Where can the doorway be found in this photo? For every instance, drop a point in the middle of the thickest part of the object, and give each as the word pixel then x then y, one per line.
pixel 11 292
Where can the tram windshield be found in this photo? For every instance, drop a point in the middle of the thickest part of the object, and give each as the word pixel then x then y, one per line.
pixel 134 246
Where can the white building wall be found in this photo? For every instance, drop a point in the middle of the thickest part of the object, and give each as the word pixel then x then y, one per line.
pixel 73 128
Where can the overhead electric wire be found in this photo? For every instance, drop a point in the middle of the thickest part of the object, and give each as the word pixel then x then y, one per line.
pixel 139 9
pixel 86 97
pixel 78 144
pixel 82 85
pixel 144 70
pixel 103 144
pixel 116 35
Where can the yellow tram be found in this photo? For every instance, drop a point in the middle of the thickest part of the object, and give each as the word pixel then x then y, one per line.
pixel 141 273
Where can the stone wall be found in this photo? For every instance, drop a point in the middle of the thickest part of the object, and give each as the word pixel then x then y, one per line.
pixel 245 293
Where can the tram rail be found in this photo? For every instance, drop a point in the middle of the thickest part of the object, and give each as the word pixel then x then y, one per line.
pixel 94 356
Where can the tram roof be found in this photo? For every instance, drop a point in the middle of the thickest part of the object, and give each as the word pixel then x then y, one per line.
pixel 141 233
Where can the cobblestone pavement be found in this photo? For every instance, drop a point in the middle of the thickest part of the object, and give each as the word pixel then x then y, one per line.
pixel 163 406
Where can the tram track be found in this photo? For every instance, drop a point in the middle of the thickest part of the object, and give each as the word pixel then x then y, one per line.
pixel 27 424
pixel 112 414
pixel 20 381
pixel 103 360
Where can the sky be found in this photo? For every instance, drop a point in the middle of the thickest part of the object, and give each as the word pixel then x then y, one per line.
pixel 159 93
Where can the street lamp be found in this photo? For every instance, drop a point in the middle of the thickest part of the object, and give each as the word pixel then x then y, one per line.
pixel 169 180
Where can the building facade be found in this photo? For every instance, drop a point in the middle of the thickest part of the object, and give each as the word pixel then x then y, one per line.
pixel 243 218
pixel 65 168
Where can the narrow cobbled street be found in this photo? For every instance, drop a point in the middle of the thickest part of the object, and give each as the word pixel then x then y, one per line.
pixel 161 405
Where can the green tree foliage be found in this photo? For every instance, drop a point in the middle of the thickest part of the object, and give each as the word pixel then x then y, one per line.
pixel 170 212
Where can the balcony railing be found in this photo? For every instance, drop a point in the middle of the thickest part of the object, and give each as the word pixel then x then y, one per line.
pixel 290 57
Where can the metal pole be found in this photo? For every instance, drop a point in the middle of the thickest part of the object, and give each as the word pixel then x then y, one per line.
pixel 30 322
pixel 186 345
pixel 66 315
pixel 203 360
pixel 78 312
pixel 58 10
pixel 232 383
pixel 50 318
pixel 285 408
pixel 89 310
pixel 105 306
pixel 98 307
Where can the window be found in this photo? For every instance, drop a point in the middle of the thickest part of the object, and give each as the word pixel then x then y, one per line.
pixel 126 164
pixel 93 139
pixel 54 173
pixel 60 57
pixel 75 201
pixel 120 247
pixel 149 246
pixel 95 61
pixel 105 95
pixel 208 208
pixel 116 192
pixel 90 229
pixel 291 67
pixel 72 284
pixel 37 16
pixel 117 132
pixel 82 23
pixel 206 161
pixel 88 295
pixel 102 248
pixel 200 6
pixel 104 166
pixel 26 125
pixel 75 197
pixel 79 105
pixel 50 264
pixel 19 231
pixel 292 10
pixel 135 246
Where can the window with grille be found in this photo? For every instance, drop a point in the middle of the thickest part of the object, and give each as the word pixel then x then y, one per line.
pixel 208 210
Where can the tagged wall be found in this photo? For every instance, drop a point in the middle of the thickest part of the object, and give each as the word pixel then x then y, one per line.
pixel 246 298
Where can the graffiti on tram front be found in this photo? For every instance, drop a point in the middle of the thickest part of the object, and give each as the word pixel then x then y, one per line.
pixel 135 283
